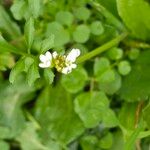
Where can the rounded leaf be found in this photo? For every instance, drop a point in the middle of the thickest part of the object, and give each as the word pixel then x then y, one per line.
pixel 81 34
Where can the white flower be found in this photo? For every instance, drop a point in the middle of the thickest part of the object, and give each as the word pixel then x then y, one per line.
pixel 70 59
pixel 62 63
pixel 46 60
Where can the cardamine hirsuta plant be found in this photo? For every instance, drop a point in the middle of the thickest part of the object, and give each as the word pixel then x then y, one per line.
pixel 74 75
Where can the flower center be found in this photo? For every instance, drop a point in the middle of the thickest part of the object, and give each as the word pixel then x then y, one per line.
pixel 60 62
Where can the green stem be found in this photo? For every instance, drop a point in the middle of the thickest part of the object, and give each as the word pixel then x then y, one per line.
pixel 110 18
pixel 102 48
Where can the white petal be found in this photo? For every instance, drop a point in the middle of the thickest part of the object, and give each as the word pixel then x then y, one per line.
pixel 73 55
pixel 73 66
pixel 48 63
pixel 54 54
pixel 42 65
pixel 42 58
pixel 66 70
pixel 48 55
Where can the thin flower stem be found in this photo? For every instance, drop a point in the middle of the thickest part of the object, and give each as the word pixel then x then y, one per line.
pixel 102 48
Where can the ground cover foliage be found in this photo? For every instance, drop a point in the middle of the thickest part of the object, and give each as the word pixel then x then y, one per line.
pixel 103 104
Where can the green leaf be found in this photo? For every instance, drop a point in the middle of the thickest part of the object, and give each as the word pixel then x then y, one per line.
pixel 134 53
pixel 47 43
pixel 130 144
pixel 33 74
pixel 61 35
pixel 135 86
pixel 97 28
pixel 111 87
pixel 90 107
pixel 118 141
pixel 89 142
pixel 7 25
pixel 18 9
pixel 103 71
pixel 127 115
pixel 4 145
pixel 146 115
pixel 28 143
pixel 109 119
pixel 107 76
pixel 12 99
pixel 49 75
pixel 75 81
pixel 101 65
pixel 82 13
pixel 6 47
pixel 124 67
pixel 64 17
pixel 17 69
pixel 35 7
pixel 28 61
pixel 29 32
pixel 106 141
pixel 81 34
pixel 138 24
pixel 115 53
pixel 6 60
pixel 55 113
pixel 4 132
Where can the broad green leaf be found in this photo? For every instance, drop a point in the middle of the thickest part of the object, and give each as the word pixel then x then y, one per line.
pixel 4 132
pixel 49 75
pixel 54 111
pixel 22 65
pixel 6 47
pixel 75 81
pixel 4 145
pixel 118 141
pixel 103 71
pixel 18 9
pixel 89 142
pixel 12 97
pixel 17 69
pixel 29 32
pixel 35 7
pixel 47 43
pixel 139 24
pixel 135 86
pixel 28 61
pixel 101 65
pixel 97 28
pixel 109 119
pixel 82 13
pixel 6 61
pixel 64 17
pixel 107 76
pixel 146 115
pixel 61 35
pixel 29 139
pixel 33 74
pixel 7 25
pixel 90 107
pixel 106 141
pixel 111 87
pixel 81 33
